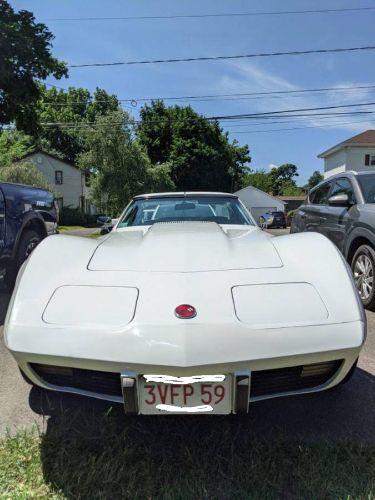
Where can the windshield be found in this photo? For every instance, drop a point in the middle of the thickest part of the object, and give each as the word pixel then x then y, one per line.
pixel 220 209
pixel 367 183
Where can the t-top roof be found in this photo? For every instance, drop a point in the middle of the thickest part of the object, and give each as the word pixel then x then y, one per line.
pixel 186 194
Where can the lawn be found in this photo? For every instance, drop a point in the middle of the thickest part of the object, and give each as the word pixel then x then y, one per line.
pixel 62 229
pixel 67 229
pixel 105 455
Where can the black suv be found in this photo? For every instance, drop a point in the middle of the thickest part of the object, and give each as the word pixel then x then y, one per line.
pixel 27 215
pixel 343 209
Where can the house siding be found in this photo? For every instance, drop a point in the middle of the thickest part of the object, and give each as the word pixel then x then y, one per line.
pixel 348 158
pixel 73 186
pixel 335 163
pixel 356 158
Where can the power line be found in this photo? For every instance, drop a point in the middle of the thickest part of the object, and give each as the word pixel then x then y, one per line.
pixel 232 97
pixel 298 119
pixel 221 58
pixel 295 128
pixel 266 113
pixel 135 123
pixel 328 125
pixel 284 113
pixel 201 16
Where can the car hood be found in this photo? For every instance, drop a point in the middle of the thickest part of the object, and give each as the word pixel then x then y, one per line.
pixel 185 247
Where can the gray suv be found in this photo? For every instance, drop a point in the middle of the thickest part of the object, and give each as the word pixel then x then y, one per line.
pixel 343 209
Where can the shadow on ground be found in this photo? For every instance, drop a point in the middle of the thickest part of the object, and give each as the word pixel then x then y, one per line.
pixel 285 447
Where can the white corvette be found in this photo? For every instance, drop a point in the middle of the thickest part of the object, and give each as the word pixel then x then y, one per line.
pixel 186 307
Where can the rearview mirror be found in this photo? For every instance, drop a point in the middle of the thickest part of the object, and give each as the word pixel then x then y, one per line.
pixel 339 200
pixel 184 206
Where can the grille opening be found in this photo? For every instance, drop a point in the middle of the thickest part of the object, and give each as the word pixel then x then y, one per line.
pixel 263 382
pixel 290 379
pixel 77 378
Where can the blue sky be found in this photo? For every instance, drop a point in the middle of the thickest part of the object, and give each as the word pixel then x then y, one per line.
pixel 116 40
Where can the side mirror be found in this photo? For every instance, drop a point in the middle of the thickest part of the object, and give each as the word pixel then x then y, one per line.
pixel 105 230
pixel 339 200
pixel 263 223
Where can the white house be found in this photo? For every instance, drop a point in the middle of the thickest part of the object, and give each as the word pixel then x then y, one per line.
pixel 356 153
pixel 67 180
pixel 258 202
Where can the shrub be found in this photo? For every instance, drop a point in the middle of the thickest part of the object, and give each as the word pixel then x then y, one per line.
pixel 289 217
pixel 75 217
pixel 71 217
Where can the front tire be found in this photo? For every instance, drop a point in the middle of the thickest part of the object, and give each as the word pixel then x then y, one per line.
pixel 363 268
pixel 29 240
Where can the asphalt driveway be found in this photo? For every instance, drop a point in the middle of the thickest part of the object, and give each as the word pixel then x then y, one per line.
pixel 344 413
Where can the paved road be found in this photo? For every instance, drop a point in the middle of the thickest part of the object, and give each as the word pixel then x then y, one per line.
pixel 343 413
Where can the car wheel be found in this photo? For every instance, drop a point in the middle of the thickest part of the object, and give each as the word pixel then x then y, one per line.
pixel 363 268
pixel 29 240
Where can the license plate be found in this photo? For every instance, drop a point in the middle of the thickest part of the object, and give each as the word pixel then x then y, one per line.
pixel 195 397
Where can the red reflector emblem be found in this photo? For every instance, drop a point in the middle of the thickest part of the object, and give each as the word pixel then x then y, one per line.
pixel 185 311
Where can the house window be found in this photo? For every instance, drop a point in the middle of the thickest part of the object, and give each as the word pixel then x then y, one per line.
pixel 370 160
pixel 87 178
pixel 58 177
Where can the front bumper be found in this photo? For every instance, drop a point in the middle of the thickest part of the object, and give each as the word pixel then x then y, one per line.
pixel 269 378
pixel 188 349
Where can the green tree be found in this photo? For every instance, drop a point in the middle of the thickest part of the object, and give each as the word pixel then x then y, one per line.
pixel 199 152
pixel 119 164
pixel 24 173
pixel 257 178
pixel 314 179
pixel 14 145
pixel 25 57
pixel 75 107
pixel 283 176
pixel 290 189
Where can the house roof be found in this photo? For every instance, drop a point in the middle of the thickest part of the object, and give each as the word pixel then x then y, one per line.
pixel 238 193
pixel 366 138
pixel 41 151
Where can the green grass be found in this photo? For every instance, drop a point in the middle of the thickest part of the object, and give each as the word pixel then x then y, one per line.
pixel 62 229
pixel 94 235
pixel 86 455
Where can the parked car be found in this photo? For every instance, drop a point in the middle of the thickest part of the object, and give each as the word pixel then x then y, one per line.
pixel 103 220
pixel 192 310
pixel 342 208
pixel 27 216
pixel 273 220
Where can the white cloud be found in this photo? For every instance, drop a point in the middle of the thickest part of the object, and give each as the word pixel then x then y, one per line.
pixel 271 166
pixel 247 77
